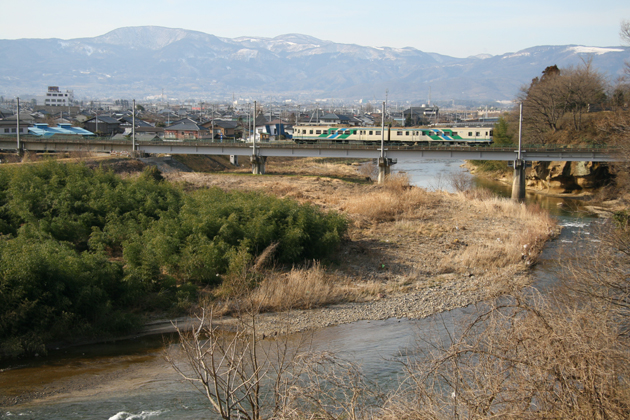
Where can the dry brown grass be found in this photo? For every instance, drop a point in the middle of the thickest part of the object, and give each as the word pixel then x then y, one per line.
pixel 329 167
pixel 495 247
pixel 545 363
pixel 301 288
pixel 395 199
pixel 402 237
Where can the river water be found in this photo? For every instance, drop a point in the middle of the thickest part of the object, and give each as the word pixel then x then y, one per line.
pixel 141 385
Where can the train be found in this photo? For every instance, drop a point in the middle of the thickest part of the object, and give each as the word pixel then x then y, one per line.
pixel 402 136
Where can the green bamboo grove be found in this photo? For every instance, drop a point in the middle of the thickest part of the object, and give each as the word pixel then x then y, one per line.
pixel 85 253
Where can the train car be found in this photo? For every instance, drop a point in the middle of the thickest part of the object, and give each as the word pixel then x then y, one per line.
pixel 403 136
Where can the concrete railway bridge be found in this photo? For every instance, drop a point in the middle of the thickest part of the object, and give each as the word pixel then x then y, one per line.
pixel 259 151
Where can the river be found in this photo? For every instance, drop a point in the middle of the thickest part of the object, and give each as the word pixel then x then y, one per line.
pixel 141 385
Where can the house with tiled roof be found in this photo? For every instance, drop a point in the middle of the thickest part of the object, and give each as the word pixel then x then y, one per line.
pixel 5 112
pixel 338 119
pixel 9 127
pixel 187 129
pixel 155 131
pixel 222 129
pixel 103 125
pixel 128 120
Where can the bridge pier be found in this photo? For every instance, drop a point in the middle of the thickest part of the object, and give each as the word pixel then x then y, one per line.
pixel 518 184
pixel 234 160
pixel 385 168
pixel 258 164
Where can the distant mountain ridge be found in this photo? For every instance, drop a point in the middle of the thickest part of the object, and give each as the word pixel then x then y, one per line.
pixel 142 61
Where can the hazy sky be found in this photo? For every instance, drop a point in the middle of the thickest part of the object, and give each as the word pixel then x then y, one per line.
pixel 456 28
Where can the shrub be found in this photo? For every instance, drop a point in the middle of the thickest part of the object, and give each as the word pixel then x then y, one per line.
pixel 82 249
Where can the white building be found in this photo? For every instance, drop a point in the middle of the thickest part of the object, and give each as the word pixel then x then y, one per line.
pixel 55 97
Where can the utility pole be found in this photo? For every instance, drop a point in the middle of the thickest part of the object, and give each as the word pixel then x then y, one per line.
pixel 383 133
pixel 19 146
pixel 383 163
pixel 250 126
pixel 518 185
pixel 386 99
pixel 258 162
pixel 133 128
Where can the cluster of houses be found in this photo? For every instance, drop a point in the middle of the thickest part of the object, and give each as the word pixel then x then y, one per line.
pixel 113 125
pixel 182 125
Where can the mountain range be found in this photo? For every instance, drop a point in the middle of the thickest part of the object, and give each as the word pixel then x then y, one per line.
pixel 150 61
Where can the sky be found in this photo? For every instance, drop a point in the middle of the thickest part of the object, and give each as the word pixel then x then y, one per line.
pixel 455 28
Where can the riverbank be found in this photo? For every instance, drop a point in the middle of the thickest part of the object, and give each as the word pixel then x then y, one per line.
pixel 409 253
pixel 602 201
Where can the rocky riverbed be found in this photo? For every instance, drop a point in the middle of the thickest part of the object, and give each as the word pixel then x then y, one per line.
pixel 447 292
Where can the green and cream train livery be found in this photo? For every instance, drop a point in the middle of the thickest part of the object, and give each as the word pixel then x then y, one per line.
pixel 403 136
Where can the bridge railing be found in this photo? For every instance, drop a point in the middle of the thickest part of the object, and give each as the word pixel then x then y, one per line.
pixel 314 145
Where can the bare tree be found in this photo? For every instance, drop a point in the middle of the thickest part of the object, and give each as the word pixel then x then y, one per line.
pixel 521 357
pixel 603 277
pixel 528 356
pixel 335 389
pixel 544 101
pixel 242 375
pixel 556 93
pixel 584 87
pixel 624 33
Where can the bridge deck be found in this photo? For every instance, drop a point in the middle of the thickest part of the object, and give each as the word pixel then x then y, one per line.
pixel 320 149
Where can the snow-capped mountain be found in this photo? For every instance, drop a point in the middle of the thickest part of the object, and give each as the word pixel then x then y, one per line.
pixel 141 61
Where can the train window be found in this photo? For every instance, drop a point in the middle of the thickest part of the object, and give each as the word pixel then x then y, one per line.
pixel 486 133
pixel 378 133
pixel 318 131
pixel 406 133
pixel 491 132
pixel 354 131
pixel 399 133
pixel 470 134
pixel 477 134
pixel 310 132
pixel 454 133
pixel 370 133
pixel 333 132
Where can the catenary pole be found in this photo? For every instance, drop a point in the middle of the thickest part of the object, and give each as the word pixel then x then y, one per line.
pixel 254 131
pixel 520 129
pixel 18 125
pixel 133 127
pixel 383 132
